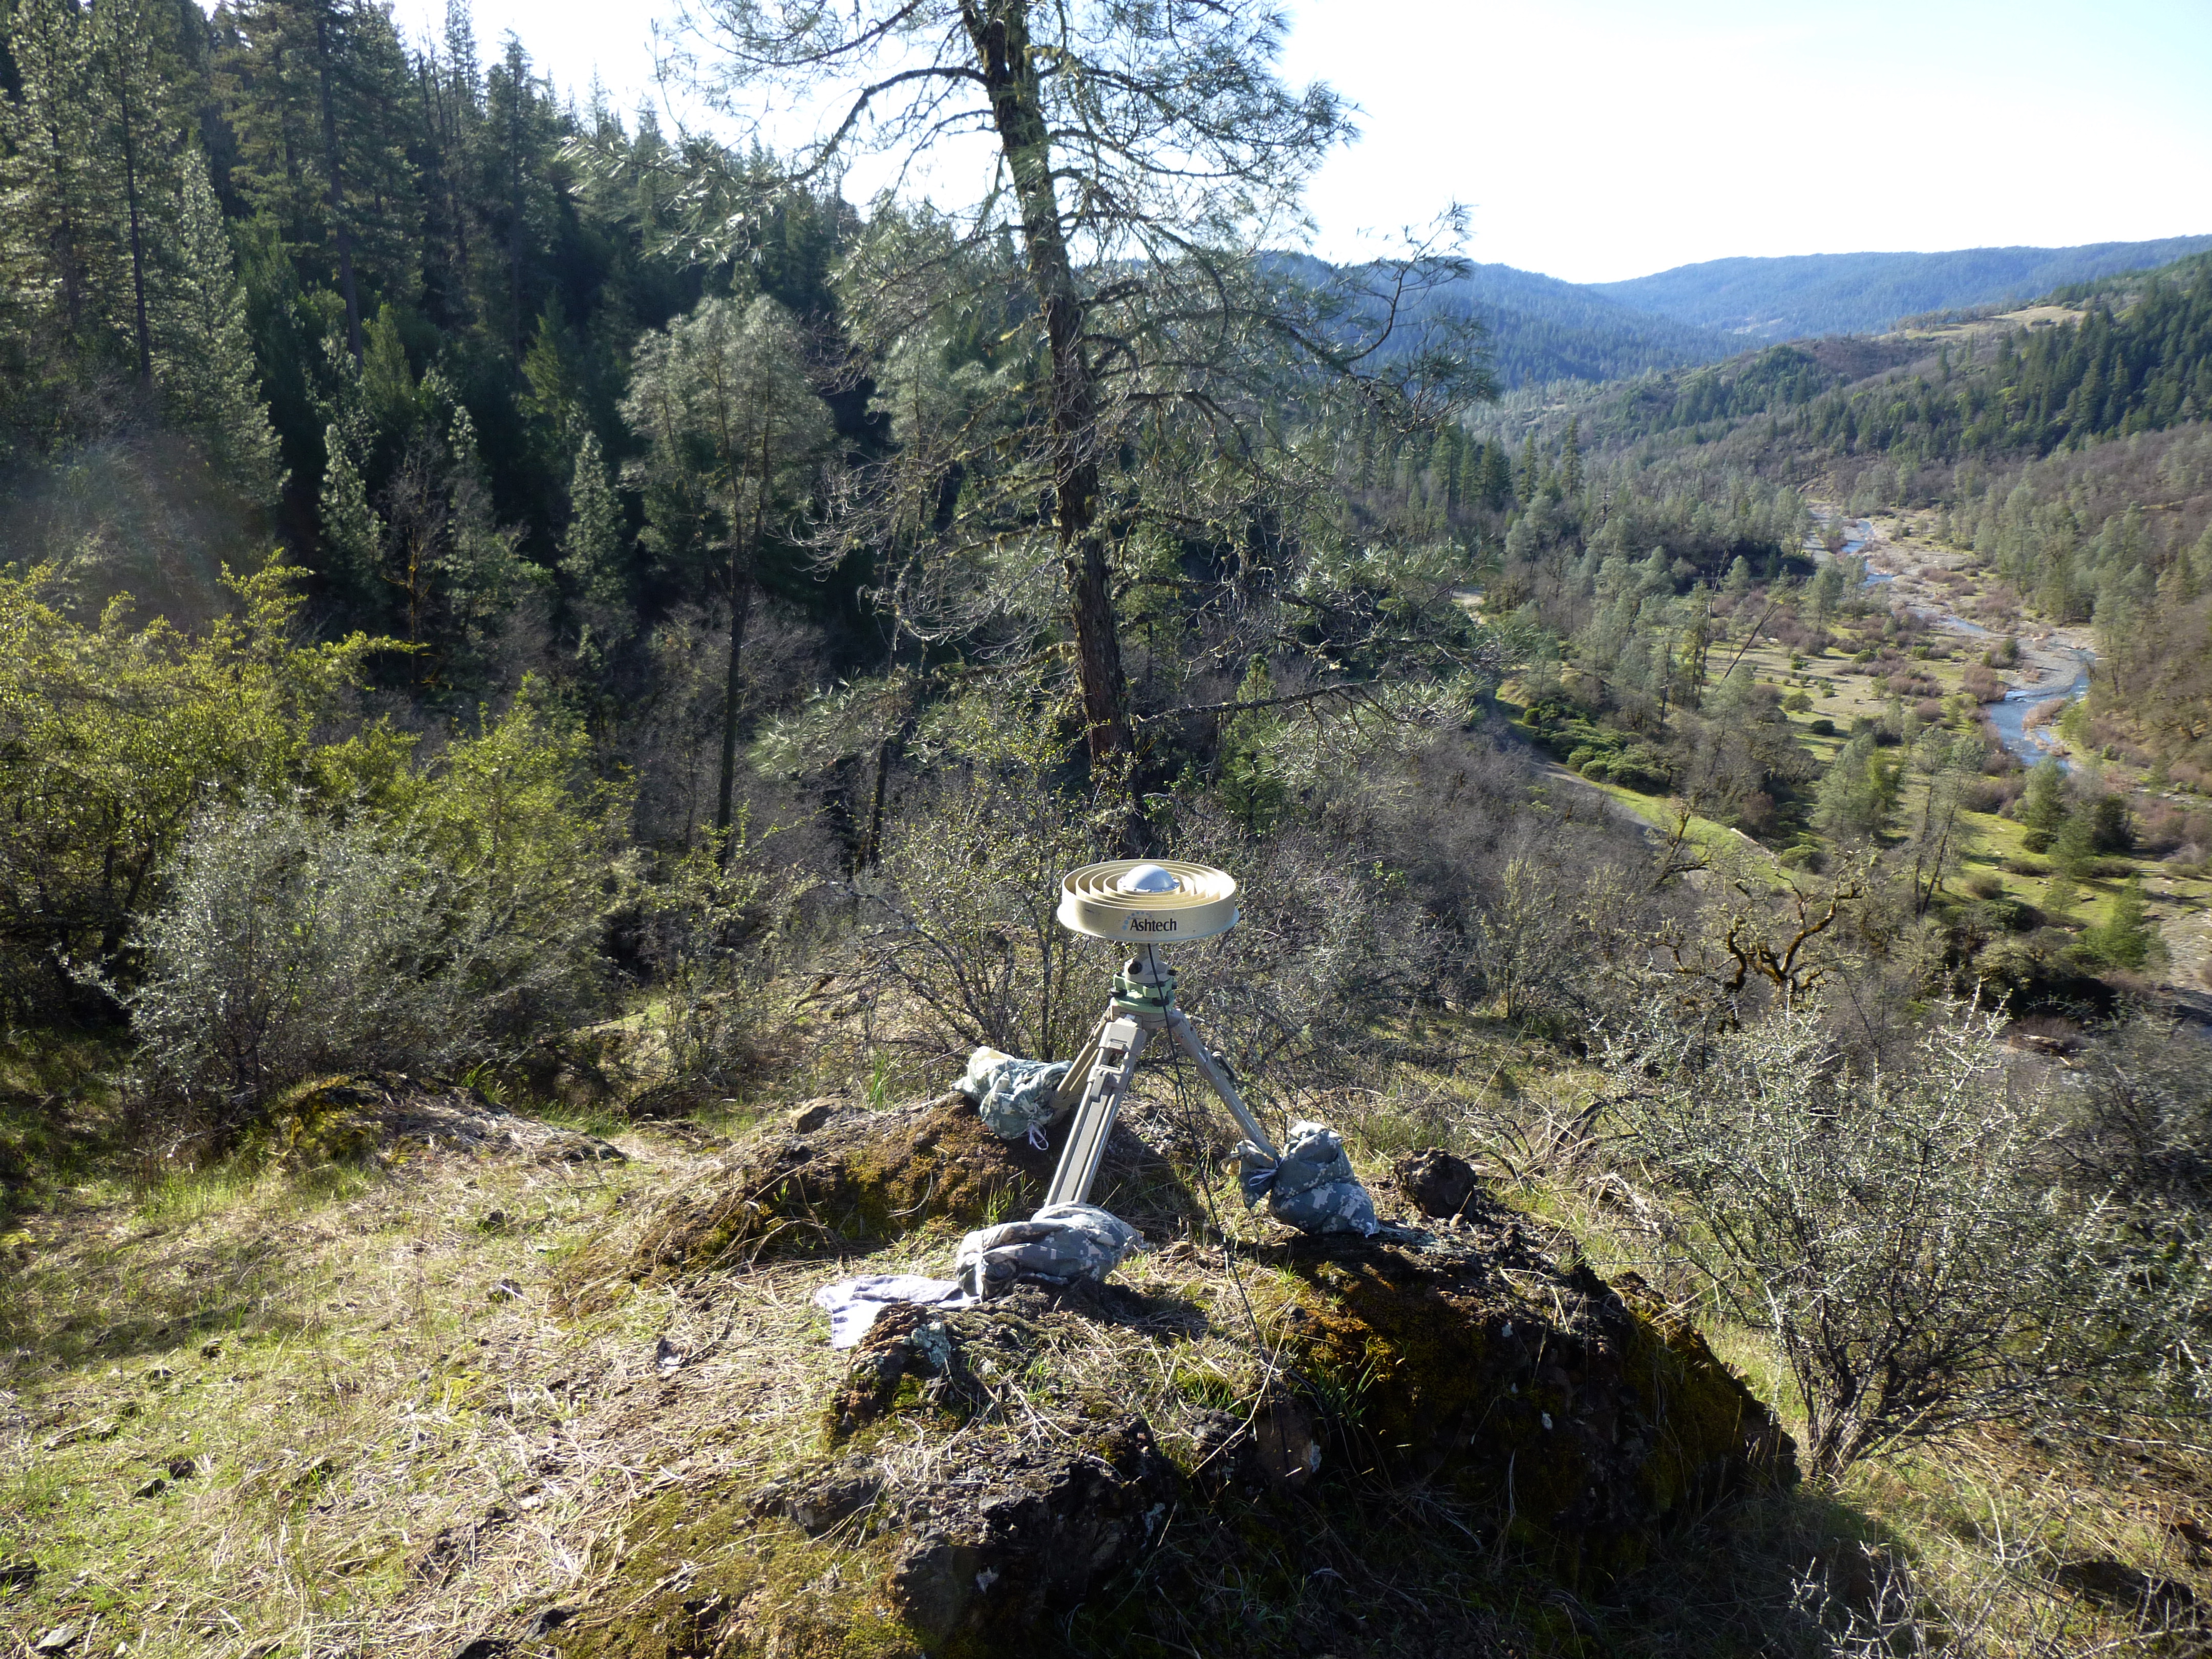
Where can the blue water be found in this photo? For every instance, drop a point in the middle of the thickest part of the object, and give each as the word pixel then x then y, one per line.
pixel 2009 717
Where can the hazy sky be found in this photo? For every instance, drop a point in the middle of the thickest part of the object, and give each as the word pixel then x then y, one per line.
pixel 1599 139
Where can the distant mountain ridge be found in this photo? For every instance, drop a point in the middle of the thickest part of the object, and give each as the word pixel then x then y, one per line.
pixel 1755 300
pixel 1541 329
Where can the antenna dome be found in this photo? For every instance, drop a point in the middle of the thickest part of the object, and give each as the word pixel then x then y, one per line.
pixel 1148 878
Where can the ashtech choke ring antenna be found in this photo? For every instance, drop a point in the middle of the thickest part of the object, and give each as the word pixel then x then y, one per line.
pixel 1141 901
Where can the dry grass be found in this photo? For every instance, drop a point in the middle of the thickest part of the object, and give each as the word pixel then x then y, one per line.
pixel 392 1441
pixel 395 1442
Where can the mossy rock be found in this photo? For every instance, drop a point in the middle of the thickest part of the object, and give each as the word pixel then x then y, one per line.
pixel 358 1116
pixel 838 1559
pixel 975 1489
pixel 863 1178
pixel 1583 1418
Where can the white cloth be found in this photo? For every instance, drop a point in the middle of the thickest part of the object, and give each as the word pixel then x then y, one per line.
pixel 854 1303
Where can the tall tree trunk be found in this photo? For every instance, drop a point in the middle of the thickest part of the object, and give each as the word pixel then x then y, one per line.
pixel 514 219
pixel 741 605
pixel 1000 31
pixel 741 599
pixel 872 842
pixel 333 171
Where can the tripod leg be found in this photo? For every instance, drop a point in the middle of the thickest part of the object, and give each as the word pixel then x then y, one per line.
pixel 1121 1042
pixel 1071 1086
pixel 1180 1027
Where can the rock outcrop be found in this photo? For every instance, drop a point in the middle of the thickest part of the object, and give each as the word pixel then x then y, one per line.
pixel 855 1179
pixel 977 1486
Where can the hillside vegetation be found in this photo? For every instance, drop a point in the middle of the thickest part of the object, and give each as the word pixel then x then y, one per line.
pixel 550 673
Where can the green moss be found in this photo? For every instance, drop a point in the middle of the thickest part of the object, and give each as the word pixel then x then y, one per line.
pixel 1580 1419
pixel 704 1564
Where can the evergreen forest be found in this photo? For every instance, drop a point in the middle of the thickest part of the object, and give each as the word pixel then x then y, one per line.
pixel 553 665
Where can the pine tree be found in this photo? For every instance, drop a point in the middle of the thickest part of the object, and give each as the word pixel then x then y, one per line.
pixel 449 90
pixel 206 357
pixel 731 423
pixel 1496 486
pixel 2043 804
pixel 138 128
pixel 318 91
pixel 592 551
pixel 1526 475
pixel 2126 938
pixel 59 252
pixel 515 149
pixel 1859 792
pixel 353 534
pixel 483 572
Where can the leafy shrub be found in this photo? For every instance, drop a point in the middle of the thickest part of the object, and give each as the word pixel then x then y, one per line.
pixel 112 735
pixel 457 921
pixel 289 947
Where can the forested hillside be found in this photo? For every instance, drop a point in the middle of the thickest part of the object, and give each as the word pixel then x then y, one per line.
pixel 552 673
pixel 1540 329
pixel 1781 299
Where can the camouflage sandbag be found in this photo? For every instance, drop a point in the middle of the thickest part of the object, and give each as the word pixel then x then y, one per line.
pixel 1310 1186
pixel 1059 1245
pixel 1014 1097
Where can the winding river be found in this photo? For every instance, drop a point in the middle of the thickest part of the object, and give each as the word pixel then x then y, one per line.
pixel 2009 717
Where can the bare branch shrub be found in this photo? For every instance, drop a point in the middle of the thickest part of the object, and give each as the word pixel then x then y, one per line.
pixel 956 919
pixel 725 917
pixel 1331 946
pixel 288 947
pixel 1900 1235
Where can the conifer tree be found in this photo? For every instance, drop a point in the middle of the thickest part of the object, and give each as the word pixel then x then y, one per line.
pixel 206 357
pixel 318 89
pixel 2042 805
pixel 58 253
pixel 449 90
pixel 514 150
pixel 138 132
pixel 483 572
pixel 1496 489
pixel 353 534
pixel 2126 938
pixel 722 400
pixel 592 551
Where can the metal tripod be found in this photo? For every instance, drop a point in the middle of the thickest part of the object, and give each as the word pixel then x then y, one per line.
pixel 1142 1004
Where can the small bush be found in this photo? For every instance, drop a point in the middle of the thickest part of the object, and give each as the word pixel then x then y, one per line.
pixel 1900 1235
pixel 289 947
